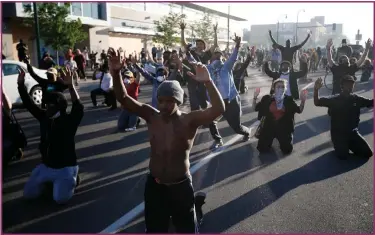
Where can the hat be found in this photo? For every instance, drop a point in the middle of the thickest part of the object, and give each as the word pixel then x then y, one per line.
pixel 286 62
pixel 343 41
pixel 129 74
pixel 347 78
pixel 52 71
pixel 217 50
pixel 171 89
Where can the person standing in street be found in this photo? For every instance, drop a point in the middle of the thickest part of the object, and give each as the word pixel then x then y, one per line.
pixel 22 50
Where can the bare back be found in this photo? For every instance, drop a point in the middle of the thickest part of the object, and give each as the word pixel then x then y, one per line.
pixel 171 142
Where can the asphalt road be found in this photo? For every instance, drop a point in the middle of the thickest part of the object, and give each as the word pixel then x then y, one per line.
pixel 309 191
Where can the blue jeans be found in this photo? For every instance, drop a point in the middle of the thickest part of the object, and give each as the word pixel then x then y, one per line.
pixel 64 182
pixel 127 120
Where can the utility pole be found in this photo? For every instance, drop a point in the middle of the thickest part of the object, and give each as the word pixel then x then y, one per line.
pixel 228 27
pixel 358 37
pixel 37 34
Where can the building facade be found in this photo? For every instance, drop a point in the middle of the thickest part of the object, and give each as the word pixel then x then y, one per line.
pixel 132 24
pixel 129 25
pixel 94 17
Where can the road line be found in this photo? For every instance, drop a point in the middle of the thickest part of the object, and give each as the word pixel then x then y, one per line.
pixel 119 224
pixel 136 211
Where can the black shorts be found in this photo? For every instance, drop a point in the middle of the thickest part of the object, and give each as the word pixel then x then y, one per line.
pixel 165 201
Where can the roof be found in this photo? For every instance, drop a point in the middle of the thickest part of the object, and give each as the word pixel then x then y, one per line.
pixel 208 10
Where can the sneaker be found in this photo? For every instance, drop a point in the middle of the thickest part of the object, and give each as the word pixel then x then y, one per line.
pixel 200 198
pixel 130 129
pixel 216 144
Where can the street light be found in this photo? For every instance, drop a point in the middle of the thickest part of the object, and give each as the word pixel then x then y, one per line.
pixel 299 11
pixel 278 25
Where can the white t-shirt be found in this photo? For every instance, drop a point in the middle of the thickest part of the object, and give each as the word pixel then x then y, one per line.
pixel 72 65
pixel 107 82
pixel 286 77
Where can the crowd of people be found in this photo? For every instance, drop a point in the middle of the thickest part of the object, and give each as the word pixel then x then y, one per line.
pixel 214 80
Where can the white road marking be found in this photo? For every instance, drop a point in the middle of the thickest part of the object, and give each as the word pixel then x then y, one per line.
pixel 119 224
pixel 136 211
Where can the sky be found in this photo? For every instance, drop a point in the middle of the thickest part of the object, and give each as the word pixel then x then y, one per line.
pixel 353 16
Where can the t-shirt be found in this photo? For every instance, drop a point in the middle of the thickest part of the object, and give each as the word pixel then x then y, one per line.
pixel 338 71
pixel 71 64
pixel 345 110
pixel 107 82
pixel 132 90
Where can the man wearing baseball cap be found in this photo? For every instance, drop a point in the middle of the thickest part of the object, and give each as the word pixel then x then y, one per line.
pixel 344 112
pixel 52 83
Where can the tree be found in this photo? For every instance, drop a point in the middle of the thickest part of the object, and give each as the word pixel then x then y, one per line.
pixel 204 28
pixel 55 30
pixel 168 29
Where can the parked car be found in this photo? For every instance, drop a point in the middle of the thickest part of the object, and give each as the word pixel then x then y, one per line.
pixel 10 76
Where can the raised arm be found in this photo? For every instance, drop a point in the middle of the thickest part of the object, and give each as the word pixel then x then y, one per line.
pixel 182 27
pixel 37 112
pixel 268 71
pixel 77 112
pixel 274 42
pixel 215 45
pixel 245 64
pixel 365 53
pixel 320 102
pixel 144 73
pixel 233 57
pixel 299 46
pixel 205 117
pixel 41 81
pixel 142 110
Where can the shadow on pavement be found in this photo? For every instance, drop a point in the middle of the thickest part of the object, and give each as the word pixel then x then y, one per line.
pixel 322 168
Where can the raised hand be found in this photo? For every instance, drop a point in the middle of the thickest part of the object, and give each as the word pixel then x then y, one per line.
pixel 318 84
pixel 201 73
pixel 329 43
pixel 303 95
pixel 215 26
pixel 368 43
pixel 237 40
pixel 114 60
pixel 182 25
pixel 21 76
pixel 269 31
pixel 67 76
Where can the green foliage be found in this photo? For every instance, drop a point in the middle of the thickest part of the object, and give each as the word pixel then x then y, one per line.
pixel 203 29
pixel 55 30
pixel 168 29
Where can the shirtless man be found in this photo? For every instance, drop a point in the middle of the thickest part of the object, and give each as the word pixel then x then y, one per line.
pixel 168 190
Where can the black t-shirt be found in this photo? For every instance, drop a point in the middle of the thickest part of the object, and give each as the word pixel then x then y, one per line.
pixel 345 111
pixel 339 71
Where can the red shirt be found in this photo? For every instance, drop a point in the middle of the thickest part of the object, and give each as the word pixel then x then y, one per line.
pixel 132 90
pixel 276 113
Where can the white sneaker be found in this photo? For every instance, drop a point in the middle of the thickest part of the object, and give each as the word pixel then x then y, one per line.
pixel 130 129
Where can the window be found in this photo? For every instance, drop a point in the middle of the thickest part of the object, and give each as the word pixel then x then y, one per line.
pixel 76 8
pixel 95 10
pixel 10 69
pixel 91 10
